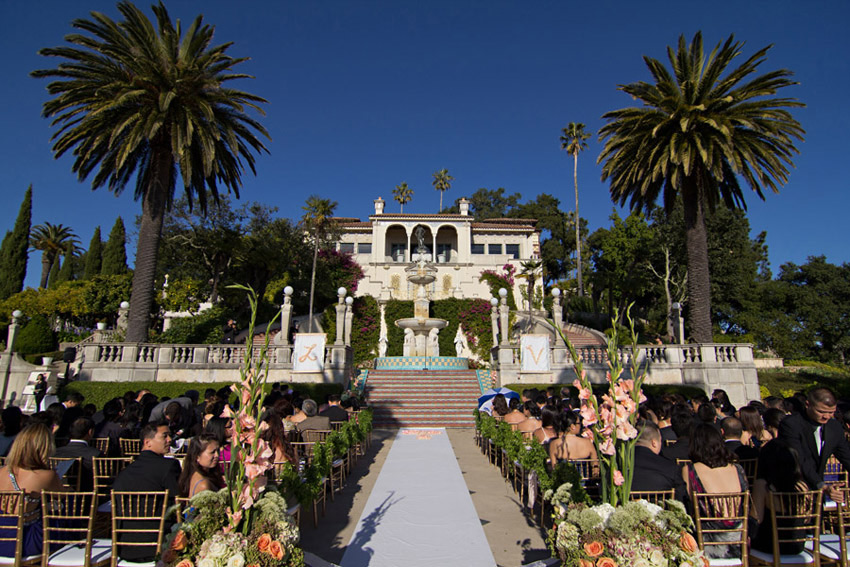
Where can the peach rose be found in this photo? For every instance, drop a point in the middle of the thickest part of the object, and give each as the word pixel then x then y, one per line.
pixel 585 563
pixel 594 548
pixel 179 541
pixel 263 543
pixel 185 563
pixel 688 543
pixel 606 562
pixel 275 550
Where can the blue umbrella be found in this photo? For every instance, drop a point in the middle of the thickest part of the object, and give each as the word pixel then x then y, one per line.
pixel 485 402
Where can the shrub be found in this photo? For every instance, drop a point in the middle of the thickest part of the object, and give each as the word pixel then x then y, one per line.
pixel 203 328
pixel 36 337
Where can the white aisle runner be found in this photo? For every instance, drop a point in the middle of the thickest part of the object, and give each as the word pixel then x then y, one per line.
pixel 419 512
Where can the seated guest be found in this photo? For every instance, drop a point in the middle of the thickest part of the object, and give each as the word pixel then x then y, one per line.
pixel 713 470
pixel 682 423
pixel 732 432
pixel 651 470
pixel 772 418
pixel 532 418
pixel 200 467
pixel 755 435
pixel 500 407
pixel 12 418
pixel 276 437
pixel 81 433
pixel 569 445
pixel 334 412
pixel 663 409
pixel 28 469
pixel 779 471
pixel 549 416
pixel 313 420
pixel 150 472
pixel 111 426
pixel 514 416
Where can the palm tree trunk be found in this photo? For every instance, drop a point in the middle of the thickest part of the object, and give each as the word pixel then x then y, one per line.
pixel 313 281
pixel 150 230
pixel 699 285
pixel 441 201
pixel 578 229
pixel 46 264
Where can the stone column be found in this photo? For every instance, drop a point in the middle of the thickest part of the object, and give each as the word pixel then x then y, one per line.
pixel 123 311
pixel 14 326
pixel 340 317
pixel 282 338
pixel 678 324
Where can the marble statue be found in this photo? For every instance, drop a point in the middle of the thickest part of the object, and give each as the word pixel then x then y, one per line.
pixel 434 342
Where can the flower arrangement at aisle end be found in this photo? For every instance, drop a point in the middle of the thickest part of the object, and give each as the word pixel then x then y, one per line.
pixel 245 524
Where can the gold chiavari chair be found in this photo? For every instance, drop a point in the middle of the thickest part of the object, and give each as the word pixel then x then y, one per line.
pixel 73 475
pixel 12 528
pixel 796 518
pixel 751 467
pixel 130 447
pixel 720 519
pixel 103 444
pixel 656 497
pixel 138 522
pixel 68 530
pixel 834 546
pixel 105 470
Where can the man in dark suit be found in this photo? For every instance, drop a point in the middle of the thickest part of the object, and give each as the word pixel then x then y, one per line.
pixel 81 435
pixel 334 412
pixel 682 423
pixel 816 435
pixel 313 420
pixel 150 472
pixel 732 432
pixel 652 471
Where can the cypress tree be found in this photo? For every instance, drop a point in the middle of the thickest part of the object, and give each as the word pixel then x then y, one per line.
pixel 115 253
pixel 53 276
pixel 93 256
pixel 66 272
pixel 14 252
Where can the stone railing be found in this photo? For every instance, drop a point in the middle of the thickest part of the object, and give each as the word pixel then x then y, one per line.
pixel 708 366
pixel 200 363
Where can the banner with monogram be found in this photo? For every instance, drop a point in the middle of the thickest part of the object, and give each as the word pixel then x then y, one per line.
pixel 534 353
pixel 309 352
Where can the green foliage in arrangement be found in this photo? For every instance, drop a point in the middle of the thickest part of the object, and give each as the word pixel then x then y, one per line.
pixel 98 393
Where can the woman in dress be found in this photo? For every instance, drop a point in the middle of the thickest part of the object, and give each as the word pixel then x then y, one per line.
pixel 200 467
pixel 276 437
pixel 714 469
pixel 221 428
pixel 532 419
pixel 755 435
pixel 28 469
pixel 569 445
pixel 549 416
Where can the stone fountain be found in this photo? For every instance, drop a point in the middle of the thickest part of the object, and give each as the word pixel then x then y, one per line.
pixel 421 332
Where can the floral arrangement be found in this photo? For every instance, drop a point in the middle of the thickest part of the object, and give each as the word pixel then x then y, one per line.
pixel 636 534
pixel 612 423
pixel 244 524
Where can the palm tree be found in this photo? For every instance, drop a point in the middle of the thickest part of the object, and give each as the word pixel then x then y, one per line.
pixel 317 220
pixel 573 140
pixel 700 130
pixel 53 240
pixel 403 194
pixel 529 271
pixel 442 182
pixel 132 99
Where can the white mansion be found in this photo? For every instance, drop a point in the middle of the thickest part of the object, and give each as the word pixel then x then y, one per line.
pixel 460 246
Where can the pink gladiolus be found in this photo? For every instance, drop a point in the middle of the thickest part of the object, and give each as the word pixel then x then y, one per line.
pixel 588 415
pixel 577 384
pixel 626 431
pixel 628 385
pixel 226 413
pixel 618 478
pixel 607 447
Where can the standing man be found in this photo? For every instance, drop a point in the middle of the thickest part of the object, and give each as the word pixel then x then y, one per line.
pixel 230 332
pixel 816 435
pixel 40 390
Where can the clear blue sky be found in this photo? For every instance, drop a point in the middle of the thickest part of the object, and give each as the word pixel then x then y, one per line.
pixel 365 95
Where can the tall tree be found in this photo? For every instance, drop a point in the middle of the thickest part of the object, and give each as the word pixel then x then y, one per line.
pixel 442 182
pixel 318 222
pixel 115 253
pixel 94 256
pixel 573 140
pixel 69 268
pixel 52 240
pixel 14 252
pixel 402 194
pixel 697 132
pixel 134 99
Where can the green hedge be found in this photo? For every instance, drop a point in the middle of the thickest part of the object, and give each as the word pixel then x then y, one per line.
pixel 98 393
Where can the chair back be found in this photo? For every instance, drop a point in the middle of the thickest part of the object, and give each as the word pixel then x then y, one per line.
pixel 130 447
pixel 105 470
pixel 73 476
pixel 315 435
pixel 181 506
pixel 751 467
pixel 656 497
pixel 12 520
pixel 69 520
pixel 337 425
pixel 303 453
pixel 590 474
pixel 103 444
pixel 138 522
pixel 796 521
pixel 278 471
pixel 720 519
pixel 834 472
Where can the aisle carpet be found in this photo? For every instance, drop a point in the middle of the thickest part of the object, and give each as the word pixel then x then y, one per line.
pixel 419 512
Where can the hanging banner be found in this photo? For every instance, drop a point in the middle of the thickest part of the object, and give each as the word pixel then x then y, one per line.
pixel 309 352
pixel 534 353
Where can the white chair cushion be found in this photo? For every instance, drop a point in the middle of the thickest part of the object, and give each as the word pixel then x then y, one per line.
pixel 105 508
pixel 802 558
pixel 11 560
pixel 830 547
pixel 724 561
pixel 75 555
pixel 125 563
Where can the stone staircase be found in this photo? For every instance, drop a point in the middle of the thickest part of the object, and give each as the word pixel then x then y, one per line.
pixel 423 398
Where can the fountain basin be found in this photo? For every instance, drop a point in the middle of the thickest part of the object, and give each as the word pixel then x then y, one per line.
pixel 421 324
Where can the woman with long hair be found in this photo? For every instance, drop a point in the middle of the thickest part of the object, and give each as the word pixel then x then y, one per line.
pixel 28 469
pixel 549 417
pixel 754 432
pixel 200 467
pixel 569 445
pixel 222 429
pixel 275 436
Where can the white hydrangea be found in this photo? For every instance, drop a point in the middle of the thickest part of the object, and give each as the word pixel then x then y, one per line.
pixel 604 510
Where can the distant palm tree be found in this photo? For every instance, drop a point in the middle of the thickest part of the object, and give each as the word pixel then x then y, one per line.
pixel 134 100
pixel 529 271
pixel 696 133
pixel 573 140
pixel 317 219
pixel 402 194
pixel 442 182
pixel 53 240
